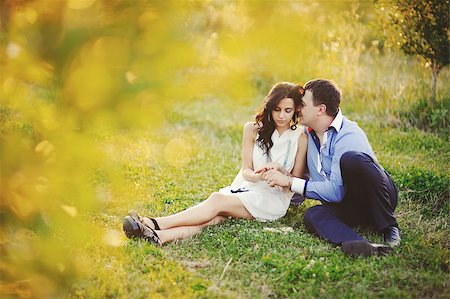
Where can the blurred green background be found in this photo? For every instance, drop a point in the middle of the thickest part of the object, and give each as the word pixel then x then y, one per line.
pixel 76 74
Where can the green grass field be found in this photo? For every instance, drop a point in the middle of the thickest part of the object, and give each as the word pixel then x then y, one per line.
pixel 112 105
pixel 196 152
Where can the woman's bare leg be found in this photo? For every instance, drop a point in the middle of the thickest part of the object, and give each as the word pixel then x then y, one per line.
pixel 183 232
pixel 217 204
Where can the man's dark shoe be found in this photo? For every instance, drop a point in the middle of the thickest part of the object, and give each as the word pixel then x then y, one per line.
pixel 364 248
pixel 392 236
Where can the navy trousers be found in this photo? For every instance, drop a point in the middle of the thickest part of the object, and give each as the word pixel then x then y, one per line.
pixel 370 198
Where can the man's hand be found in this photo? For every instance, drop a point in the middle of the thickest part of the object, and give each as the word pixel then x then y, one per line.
pixel 276 178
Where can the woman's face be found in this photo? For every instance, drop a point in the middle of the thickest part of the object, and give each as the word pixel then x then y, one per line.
pixel 283 113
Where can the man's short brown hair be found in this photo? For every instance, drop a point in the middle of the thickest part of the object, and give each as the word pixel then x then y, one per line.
pixel 325 92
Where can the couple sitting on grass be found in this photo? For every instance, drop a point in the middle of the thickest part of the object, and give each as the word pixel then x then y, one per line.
pixel 344 176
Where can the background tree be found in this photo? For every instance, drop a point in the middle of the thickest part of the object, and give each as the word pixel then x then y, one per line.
pixel 421 27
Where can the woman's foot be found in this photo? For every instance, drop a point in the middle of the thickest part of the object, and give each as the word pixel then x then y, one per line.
pixel 136 229
pixel 150 222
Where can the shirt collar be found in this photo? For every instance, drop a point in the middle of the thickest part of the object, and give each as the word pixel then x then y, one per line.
pixel 337 122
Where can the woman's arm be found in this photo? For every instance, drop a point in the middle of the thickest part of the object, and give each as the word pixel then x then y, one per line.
pixel 247 153
pixel 300 157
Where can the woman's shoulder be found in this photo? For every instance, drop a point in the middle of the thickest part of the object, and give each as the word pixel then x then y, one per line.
pixel 303 137
pixel 251 127
pixel 300 133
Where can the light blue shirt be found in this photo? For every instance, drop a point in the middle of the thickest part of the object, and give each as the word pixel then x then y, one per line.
pixel 323 160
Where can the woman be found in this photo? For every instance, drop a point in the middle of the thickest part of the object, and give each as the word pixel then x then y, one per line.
pixel 272 142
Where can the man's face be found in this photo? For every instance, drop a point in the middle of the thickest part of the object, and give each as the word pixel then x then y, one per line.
pixel 309 112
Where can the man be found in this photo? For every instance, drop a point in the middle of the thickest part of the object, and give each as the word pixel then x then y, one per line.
pixel 344 175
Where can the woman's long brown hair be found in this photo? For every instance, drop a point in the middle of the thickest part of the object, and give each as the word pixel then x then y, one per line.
pixel 264 119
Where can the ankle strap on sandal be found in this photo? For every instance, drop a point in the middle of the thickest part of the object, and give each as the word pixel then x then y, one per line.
pixel 155 223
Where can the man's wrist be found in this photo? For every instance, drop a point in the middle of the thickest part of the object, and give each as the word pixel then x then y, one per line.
pixel 299 186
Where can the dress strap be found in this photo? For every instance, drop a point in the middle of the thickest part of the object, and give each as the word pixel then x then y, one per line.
pixel 287 154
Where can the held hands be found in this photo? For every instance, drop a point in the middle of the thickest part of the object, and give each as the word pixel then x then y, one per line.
pixel 271 173
pixel 276 178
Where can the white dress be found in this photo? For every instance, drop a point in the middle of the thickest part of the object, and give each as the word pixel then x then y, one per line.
pixel 263 202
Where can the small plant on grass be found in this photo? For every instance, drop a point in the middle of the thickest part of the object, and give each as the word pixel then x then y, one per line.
pixel 430 118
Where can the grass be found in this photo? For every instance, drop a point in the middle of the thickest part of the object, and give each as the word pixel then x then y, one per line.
pixel 248 259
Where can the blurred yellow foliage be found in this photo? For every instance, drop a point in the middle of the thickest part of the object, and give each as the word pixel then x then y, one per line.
pixel 114 238
pixel 74 73
pixel 178 152
pixel 71 211
pixel 79 4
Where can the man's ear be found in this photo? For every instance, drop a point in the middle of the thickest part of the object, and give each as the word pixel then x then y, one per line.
pixel 322 109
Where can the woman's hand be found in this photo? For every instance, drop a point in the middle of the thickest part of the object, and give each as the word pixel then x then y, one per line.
pixel 251 176
pixel 276 178
pixel 269 166
pixel 259 176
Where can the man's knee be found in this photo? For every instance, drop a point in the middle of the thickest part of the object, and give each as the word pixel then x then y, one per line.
pixel 353 160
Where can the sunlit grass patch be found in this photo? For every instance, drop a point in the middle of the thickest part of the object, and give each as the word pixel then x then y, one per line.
pixel 246 258
pixel 252 259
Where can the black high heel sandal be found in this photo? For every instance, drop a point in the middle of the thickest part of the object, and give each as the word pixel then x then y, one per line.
pixel 135 229
pixel 133 214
